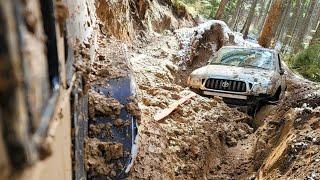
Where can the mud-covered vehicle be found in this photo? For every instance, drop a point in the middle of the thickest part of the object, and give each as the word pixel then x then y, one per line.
pixel 242 76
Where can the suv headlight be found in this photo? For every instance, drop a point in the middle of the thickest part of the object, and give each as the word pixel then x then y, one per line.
pixel 194 82
pixel 261 88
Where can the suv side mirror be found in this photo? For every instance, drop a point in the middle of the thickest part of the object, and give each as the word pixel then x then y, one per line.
pixel 281 72
pixel 212 58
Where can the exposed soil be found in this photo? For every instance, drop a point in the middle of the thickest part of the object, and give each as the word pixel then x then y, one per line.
pixel 98 155
pixel 289 138
pixel 203 138
pixel 106 148
pixel 129 20
pixel 102 104
pixel 151 47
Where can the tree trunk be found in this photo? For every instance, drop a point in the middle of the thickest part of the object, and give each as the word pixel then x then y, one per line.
pixel 238 17
pixel 304 26
pixel 316 37
pixel 227 14
pixel 265 13
pixel 220 9
pixel 314 21
pixel 262 5
pixel 271 24
pixel 286 23
pixel 292 23
pixel 236 14
pixel 284 19
pixel 247 24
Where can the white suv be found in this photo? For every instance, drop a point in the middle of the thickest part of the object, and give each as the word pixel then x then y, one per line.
pixel 242 76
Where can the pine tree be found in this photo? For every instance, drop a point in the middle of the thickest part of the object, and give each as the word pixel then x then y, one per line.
pixel 261 9
pixel 304 26
pixel 265 13
pixel 284 19
pixel 220 10
pixel 292 24
pixel 236 13
pixel 271 24
pixel 247 24
pixel 316 37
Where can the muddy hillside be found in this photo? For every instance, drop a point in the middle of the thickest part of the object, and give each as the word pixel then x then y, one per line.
pixel 157 43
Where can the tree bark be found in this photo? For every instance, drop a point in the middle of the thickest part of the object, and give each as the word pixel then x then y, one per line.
pixel 304 26
pixel 236 14
pixel 314 21
pixel 247 24
pixel 292 23
pixel 316 37
pixel 287 22
pixel 284 19
pixel 299 21
pixel 265 13
pixel 262 6
pixel 240 13
pixel 221 9
pixel 271 24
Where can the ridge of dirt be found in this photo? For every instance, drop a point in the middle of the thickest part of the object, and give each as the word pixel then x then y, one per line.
pixel 287 144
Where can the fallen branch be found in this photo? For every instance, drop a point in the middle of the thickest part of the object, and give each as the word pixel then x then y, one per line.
pixel 166 112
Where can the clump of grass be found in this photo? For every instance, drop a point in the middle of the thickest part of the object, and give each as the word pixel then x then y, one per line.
pixel 307 63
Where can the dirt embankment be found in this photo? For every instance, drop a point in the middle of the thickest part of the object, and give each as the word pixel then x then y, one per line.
pixel 103 60
pixel 288 142
pixel 203 138
pixel 128 20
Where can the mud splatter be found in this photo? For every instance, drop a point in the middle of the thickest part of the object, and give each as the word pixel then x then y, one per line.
pixel 98 155
pixel 98 103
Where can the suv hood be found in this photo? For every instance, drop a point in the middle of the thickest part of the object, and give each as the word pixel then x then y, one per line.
pixel 253 75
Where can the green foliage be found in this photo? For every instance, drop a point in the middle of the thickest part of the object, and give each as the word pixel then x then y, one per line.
pixel 307 63
pixel 208 8
pixel 205 8
pixel 179 7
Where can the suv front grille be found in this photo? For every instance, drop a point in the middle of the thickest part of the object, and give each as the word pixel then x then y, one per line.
pixel 226 85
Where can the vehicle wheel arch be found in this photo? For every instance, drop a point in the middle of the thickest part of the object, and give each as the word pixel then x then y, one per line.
pixel 277 94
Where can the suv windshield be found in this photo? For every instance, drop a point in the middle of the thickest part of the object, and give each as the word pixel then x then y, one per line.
pixel 255 58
